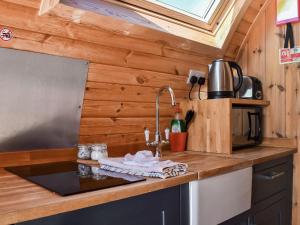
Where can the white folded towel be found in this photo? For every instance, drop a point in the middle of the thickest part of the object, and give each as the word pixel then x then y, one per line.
pixel 100 172
pixel 143 164
pixel 143 158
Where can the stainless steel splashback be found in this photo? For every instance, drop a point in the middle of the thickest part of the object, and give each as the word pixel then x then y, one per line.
pixel 41 98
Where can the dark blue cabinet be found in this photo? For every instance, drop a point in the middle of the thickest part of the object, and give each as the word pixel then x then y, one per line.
pixel 156 208
pixel 275 214
pixel 272 192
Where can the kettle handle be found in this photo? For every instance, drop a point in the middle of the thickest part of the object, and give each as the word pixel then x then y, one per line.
pixel 240 75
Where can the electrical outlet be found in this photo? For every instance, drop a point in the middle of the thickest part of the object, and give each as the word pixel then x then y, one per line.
pixel 195 73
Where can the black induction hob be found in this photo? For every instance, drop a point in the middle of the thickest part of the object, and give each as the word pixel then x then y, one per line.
pixel 68 178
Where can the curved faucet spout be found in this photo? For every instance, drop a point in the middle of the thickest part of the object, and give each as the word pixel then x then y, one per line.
pixel 170 90
pixel 158 138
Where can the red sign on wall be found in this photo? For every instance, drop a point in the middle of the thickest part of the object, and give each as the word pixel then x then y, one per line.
pixel 289 55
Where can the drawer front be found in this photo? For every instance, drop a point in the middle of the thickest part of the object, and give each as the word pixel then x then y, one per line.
pixel 270 181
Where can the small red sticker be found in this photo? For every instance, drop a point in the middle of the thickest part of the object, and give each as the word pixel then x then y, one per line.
pixel 5 34
pixel 289 55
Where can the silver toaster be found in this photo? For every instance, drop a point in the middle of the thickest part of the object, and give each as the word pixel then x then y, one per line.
pixel 250 89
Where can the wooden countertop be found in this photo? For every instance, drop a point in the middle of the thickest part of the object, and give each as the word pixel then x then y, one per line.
pixel 263 154
pixel 257 155
pixel 21 200
pixel 209 165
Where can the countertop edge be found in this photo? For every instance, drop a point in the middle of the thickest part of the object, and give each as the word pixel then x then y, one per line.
pixel 275 156
pixel 94 198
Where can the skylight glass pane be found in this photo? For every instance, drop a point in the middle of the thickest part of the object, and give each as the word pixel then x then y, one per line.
pixel 200 9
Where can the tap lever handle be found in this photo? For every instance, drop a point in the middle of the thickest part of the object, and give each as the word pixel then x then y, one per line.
pixel 157 137
pixel 167 134
pixel 147 134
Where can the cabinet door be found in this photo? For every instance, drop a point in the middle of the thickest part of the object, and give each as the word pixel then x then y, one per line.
pixel 275 214
pixel 156 208
pixel 272 192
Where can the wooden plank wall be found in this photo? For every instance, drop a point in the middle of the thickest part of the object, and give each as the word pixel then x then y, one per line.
pixel 243 28
pixel 259 57
pixel 124 72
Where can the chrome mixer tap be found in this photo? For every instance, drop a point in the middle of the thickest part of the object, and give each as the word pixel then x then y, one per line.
pixel 159 142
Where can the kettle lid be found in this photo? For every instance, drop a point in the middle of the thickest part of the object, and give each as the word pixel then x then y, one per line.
pixel 218 60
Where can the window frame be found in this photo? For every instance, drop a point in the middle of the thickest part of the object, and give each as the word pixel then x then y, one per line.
pixel 168 14
pixel 209 12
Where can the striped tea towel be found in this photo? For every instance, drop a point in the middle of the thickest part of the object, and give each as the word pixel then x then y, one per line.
pixel 100 172
pixel 143 164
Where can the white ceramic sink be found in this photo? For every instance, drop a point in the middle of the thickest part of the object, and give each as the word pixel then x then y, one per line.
pixel 217 199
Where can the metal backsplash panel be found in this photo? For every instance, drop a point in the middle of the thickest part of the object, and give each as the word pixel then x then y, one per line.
pixel 41 98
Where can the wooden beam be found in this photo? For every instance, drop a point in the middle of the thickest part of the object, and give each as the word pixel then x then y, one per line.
pixel 231 22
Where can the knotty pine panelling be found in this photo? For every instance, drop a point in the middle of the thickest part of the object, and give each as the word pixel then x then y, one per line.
pixel 243 28
pixel 124 72
pixel 281 83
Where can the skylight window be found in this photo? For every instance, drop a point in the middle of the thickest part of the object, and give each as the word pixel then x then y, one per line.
pixel 203 14
pixel 198 9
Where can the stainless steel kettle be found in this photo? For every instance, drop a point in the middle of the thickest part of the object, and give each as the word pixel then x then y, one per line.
pixel 220 82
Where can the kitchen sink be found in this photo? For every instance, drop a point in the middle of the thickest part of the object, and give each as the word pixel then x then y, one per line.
pixel 217 199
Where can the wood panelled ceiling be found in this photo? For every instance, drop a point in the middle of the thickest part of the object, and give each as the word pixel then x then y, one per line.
pixel 243 29
pixel 229 48
pixel 225 40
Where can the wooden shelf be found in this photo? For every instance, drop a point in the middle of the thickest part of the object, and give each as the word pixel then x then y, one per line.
pixel 211 130
pixel 238 101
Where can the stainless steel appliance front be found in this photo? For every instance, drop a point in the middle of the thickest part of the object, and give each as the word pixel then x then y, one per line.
pixel 246 126
pixel 251 88
pixel 220 79
pixel 41 98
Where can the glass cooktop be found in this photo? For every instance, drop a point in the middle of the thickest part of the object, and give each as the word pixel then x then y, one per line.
pixel 68 178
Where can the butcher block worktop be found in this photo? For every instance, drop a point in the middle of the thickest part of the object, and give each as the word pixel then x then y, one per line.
pixel 259 155
pixel 256 155
pixel 21 200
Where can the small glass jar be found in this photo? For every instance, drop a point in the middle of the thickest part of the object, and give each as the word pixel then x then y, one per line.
pixel 84 170
pixel 98 151
pixel 97 175
pixel 83 152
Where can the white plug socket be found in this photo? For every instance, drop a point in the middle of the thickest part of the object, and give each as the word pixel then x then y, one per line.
pixel 195 73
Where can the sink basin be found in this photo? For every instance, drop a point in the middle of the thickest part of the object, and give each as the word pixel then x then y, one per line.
pixel 217 199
